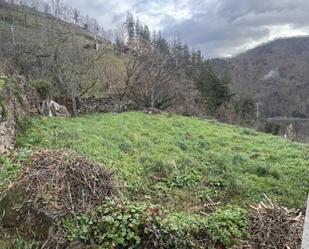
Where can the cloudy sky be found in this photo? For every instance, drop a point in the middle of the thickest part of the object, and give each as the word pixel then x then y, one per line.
pixel 217 27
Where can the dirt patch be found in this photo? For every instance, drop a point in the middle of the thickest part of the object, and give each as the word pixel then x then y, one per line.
pixel 54 184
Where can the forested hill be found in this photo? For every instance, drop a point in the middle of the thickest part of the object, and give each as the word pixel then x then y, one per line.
pixel 62 54
pixel 275 74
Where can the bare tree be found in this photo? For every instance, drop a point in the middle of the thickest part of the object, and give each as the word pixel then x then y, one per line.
pixel 76 16
pixel 150 80
pixel 56 6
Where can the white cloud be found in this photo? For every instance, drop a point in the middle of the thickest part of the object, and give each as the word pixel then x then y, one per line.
pixel 218 27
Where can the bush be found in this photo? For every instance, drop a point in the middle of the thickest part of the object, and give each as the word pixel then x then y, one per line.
pixel 43 88
pixel 119 225
pixel 189 229
pixel 245 108
pixel 229 226
pixel 181 181
pixel 136 225
pixel 272 128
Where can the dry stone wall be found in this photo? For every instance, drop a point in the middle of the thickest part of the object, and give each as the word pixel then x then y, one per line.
pixel 13 106
pixel 106 104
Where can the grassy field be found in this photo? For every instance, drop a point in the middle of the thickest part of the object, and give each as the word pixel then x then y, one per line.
pixel 181 162
pixel 169 163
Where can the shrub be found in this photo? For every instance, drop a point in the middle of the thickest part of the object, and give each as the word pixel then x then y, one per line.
pixel 136 225
pixel 189 229
pixel 181 181
pixel 43 88
pixel 228 226
pixel 272 128
pixel 119 225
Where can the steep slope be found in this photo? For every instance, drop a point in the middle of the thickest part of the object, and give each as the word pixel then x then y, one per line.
pixel 19 22
pixel 275 74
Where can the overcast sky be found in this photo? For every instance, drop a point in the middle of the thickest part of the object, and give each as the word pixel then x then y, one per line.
pixel 217 27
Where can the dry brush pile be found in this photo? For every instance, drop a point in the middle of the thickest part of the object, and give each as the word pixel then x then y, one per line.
pixel 55 184
pixel 276 227
pixel 62 180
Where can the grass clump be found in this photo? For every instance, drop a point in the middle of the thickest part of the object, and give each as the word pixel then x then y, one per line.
pixel 229 226
pixel 19 243
pixel 11 166
pixel 2 82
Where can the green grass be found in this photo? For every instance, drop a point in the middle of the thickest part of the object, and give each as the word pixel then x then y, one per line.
pixel 180 162
pixel 11 166
pixel 2 82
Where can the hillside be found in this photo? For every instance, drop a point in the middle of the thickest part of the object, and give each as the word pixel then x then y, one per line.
pixel 138 177
pixel 76 64
pixel 28 22
pixel 201 174
pixel 40 46
pixel 275 74
pixel 180 161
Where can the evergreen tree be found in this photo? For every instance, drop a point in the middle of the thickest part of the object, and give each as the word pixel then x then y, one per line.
pixel 138 28
pixel 160 43
pixel 146 33
pixel 130 25
pixel 214 90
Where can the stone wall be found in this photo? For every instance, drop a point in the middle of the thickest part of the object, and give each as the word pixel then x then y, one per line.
pixel 106 104
pixel 13 105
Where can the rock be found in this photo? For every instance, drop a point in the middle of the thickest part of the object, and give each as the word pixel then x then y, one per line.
pixel 19 213
pixel 152 111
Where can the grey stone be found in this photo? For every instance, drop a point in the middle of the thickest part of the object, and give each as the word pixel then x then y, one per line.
pixel 305 242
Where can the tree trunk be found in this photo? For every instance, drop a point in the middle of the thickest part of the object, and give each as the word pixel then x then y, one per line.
pixel 74 105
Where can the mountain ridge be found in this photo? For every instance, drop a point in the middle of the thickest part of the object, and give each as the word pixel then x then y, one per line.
pixel 274 74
